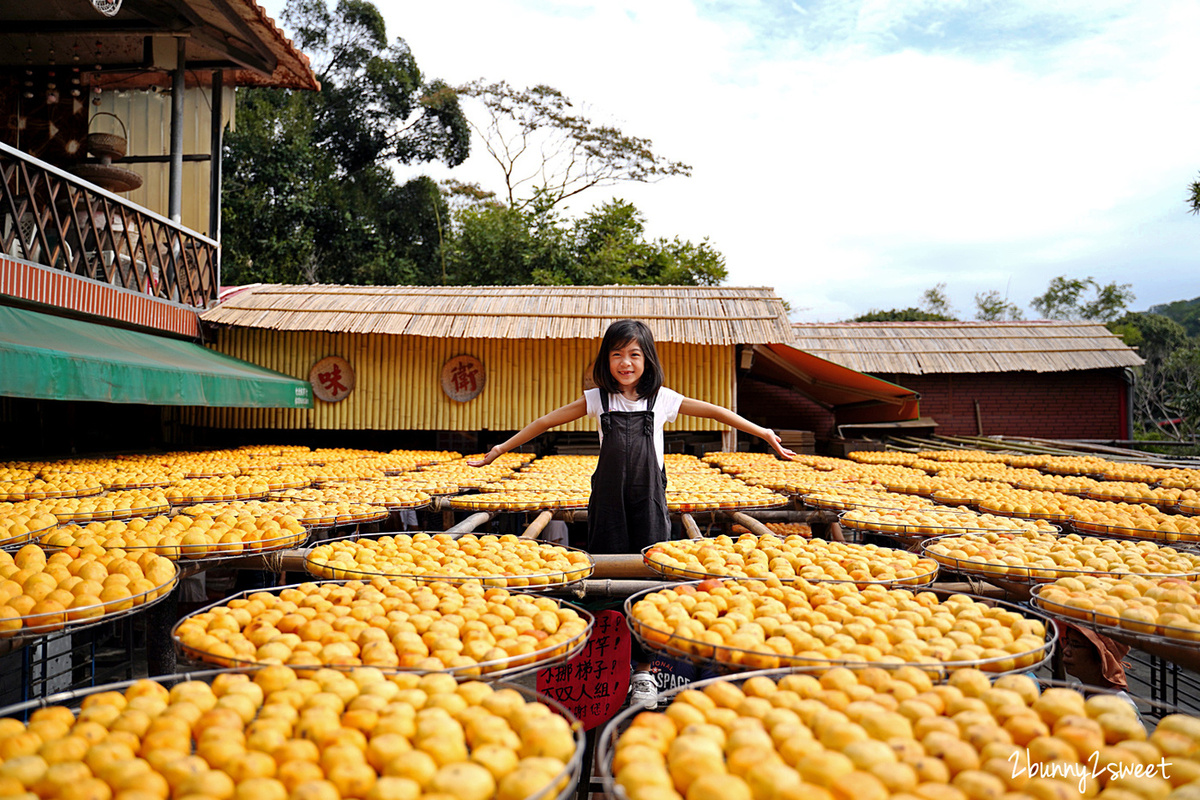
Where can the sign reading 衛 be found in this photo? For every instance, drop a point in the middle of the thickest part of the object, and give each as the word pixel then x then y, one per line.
pixel 332 379
pixel 593 684
pixel 463 378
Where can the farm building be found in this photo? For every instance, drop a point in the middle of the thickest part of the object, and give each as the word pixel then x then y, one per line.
pixel 1051 379
pixel 487 360
pixel 110 169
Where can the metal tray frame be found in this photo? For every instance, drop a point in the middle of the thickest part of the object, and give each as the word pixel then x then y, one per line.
pixel 570 774
pixel 800 665
pixel 607 740
pixel 503 669
pixel 918 581
pixel 549 587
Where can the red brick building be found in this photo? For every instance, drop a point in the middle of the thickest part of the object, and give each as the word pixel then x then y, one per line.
pixel 1051 379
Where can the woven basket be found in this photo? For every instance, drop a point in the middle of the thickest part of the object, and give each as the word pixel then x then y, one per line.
pixel 107 145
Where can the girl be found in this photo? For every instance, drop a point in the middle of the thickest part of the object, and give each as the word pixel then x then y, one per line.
pixel 628 506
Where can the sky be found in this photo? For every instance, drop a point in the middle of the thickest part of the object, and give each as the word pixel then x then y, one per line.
pixel 854 153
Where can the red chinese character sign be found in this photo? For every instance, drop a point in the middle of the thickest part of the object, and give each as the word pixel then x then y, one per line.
pixel 593 684
pixel 332 379
pixel 463 378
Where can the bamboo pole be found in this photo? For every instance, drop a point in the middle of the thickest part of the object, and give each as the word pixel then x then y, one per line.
pixel 472 522
pixel 751 523
pixel 691 528
pixel 538 525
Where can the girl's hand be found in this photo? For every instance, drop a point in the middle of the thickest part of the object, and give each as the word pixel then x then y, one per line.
pixel 777 444
pixel 491 456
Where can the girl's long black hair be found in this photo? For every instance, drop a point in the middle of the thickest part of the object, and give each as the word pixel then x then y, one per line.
pixel 618 335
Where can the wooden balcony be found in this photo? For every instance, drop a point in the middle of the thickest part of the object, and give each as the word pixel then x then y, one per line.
pixel 51 217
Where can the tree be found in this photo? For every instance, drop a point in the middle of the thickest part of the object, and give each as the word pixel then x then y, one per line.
pixel 309 193
pixel 993 306
pixel 548 152
pixel 1185 312
pixel 1161 391
pixel 902 315
pixel 1065 298
pixel 935 301
pixel 495 243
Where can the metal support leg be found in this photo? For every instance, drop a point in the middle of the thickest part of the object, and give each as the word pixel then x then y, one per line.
pixel 160 618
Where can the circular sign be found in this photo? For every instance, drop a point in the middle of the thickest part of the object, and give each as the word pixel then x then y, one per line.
pixel 332 379
pixel 463 378
pixel 108 8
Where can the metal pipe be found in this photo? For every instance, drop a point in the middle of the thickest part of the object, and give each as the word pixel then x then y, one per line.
pixel 175 193
pixel 216 165
pixel 619 566
pixel 620 588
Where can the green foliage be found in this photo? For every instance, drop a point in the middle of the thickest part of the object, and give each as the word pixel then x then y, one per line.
pixel 902 315
pixel 497 244
pixel 502 246
pixel 993 306
pixel 548 152
pixel 309 193
pixel 1185 312
pixel 935 301
pixel 1154 335
pixel 1168 384
pixel 1074 298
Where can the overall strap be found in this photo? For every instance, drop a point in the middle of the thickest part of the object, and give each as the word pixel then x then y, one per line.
pixel 648 421
pixel 605 419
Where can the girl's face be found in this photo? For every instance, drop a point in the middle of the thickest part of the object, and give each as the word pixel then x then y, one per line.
pixel 626 365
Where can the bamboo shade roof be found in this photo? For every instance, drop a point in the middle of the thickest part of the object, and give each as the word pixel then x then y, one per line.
pixel 711 315
pixel 917 348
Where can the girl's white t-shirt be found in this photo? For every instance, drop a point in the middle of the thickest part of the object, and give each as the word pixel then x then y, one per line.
pixel 666 409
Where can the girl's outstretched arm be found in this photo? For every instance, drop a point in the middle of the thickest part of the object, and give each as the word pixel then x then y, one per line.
pixel 699 408
pixel 559 416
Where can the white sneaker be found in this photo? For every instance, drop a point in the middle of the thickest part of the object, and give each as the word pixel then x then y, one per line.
pixel 643 690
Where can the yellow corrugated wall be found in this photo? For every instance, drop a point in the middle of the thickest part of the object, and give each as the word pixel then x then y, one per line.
pixel 147 116
pixel 398 380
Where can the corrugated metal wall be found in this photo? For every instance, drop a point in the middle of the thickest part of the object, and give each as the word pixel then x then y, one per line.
pixel 398 381
pixel 147 116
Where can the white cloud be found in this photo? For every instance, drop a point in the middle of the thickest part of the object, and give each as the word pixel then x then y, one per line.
pixel 852 167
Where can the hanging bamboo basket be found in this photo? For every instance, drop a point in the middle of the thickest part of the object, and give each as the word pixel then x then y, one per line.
pixel 107 146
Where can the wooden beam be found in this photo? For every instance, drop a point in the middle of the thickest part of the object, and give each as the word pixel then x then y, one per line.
pixel 246 34
pixel 79 28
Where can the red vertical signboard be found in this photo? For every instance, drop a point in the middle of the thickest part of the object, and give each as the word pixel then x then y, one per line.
pixel 593 684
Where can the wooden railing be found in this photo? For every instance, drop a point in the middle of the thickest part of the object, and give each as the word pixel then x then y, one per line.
pixel 51 217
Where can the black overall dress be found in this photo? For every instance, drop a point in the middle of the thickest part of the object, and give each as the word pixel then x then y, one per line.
pixel 628 507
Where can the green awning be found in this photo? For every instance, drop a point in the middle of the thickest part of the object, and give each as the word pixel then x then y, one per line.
pixel 56 358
